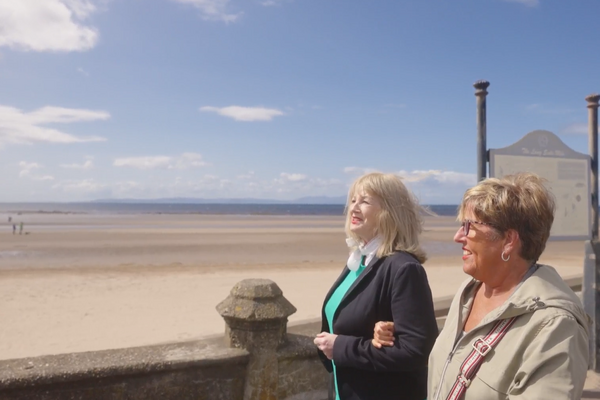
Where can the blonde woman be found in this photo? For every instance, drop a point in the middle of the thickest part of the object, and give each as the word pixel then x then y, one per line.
pixel 514 330
pixel 383 280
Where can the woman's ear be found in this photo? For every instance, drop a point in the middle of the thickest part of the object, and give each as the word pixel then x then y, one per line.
pixel 512 241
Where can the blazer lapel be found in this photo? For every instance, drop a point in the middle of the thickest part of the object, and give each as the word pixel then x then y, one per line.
pixel 368 270
pixel 335 285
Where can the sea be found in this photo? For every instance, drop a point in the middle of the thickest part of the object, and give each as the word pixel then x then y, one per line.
pixel 209 209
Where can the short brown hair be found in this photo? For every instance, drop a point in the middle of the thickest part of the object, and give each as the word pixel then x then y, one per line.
pixel 520 202
pixel 399 222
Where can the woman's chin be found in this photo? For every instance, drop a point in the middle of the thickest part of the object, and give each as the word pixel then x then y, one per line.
pixel 468 269
pixel 356 230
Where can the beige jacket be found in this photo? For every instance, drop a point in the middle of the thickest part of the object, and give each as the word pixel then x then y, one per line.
pixel 543 356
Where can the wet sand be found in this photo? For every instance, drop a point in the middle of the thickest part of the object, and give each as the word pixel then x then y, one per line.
pixel 80 282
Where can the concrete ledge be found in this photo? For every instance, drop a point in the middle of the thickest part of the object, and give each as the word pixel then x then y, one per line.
pixel 298 346
pixel 575 283
pixel 301 373
pixel 63 368
pixel 313 395
pixel 198 370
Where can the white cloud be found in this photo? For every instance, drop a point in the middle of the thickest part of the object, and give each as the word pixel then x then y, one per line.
pixel 200 186
pixel 92 189
pixel 249 175
pixel 26 172
pixel 46 25
pixel 185 161
pixel 18 127
pixel 450 177
pixel 417 176
pixel 86 165
pixel 271 3
pixel 143 162
pixel 293 177
pixel 83 72
pixel 188 160
pixel 295 185
pixel 42 178
pixel 65 115
pixel 422 175
pixel 213 10
pixel 578 128
pixel 245 113
pixel 431 186
pixel 126 186
pixel 80 187
pixel 358 170
pixel 27 167
pixel 438 187
pixel 528 3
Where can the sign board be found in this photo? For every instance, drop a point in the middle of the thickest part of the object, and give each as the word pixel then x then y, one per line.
pixel 567 173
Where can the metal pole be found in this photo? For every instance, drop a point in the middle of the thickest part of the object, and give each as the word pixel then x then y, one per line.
pixel 591 271
pixel 481 93
pixel 592 100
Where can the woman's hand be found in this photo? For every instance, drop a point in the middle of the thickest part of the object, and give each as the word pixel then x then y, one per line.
pixel 324 341
pixel 383 334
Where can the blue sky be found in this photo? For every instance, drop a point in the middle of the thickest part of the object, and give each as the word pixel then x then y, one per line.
pixel 279 99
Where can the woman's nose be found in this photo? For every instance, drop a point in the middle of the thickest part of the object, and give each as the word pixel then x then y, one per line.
pixel 459 235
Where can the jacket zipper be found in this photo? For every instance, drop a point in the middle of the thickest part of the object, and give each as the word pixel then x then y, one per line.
pixel 439 389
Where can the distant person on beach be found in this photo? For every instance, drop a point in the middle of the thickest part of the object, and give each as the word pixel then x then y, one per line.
pixel 21 228
pixel 383 280
pixel 14 228
pixel 515 330
pixel 9 219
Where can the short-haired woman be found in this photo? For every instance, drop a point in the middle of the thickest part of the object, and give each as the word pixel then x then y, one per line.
pixel 383 280
pixel 515 330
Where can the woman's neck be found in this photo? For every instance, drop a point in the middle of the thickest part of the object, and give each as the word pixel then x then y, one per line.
pixel 504 284
pixel 365 242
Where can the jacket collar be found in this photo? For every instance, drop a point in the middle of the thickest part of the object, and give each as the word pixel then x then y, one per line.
pixel 544 288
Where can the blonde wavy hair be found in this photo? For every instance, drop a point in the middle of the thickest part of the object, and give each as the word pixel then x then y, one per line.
pixel 520 202
pixel 399 221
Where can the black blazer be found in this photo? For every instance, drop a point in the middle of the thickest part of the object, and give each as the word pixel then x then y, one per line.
pixel 394 288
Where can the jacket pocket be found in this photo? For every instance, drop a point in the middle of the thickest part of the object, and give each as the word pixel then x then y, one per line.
pixel 493 383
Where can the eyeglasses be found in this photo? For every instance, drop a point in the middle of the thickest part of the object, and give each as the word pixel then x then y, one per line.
pixel 466 225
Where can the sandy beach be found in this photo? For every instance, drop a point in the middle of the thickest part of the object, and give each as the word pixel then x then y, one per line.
pixel 82 282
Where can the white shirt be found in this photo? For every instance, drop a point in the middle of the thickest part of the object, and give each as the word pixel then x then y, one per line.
pixel 369 250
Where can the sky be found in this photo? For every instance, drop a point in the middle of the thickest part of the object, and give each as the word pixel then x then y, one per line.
pixel 279 99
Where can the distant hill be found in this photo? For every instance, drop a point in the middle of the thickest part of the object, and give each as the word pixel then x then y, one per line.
pixel 193 200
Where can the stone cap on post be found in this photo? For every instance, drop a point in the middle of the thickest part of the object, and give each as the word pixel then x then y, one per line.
pixel 255 314
pixel 592 100
pixel 481 86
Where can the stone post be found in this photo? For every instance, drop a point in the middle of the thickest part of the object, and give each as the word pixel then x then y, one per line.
pixel 481 93
pixel 591 270
pixel 592 100
pixel 256 315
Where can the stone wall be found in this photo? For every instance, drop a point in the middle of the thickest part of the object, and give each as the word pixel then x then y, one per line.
pixel 256 360
pixel 188 370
